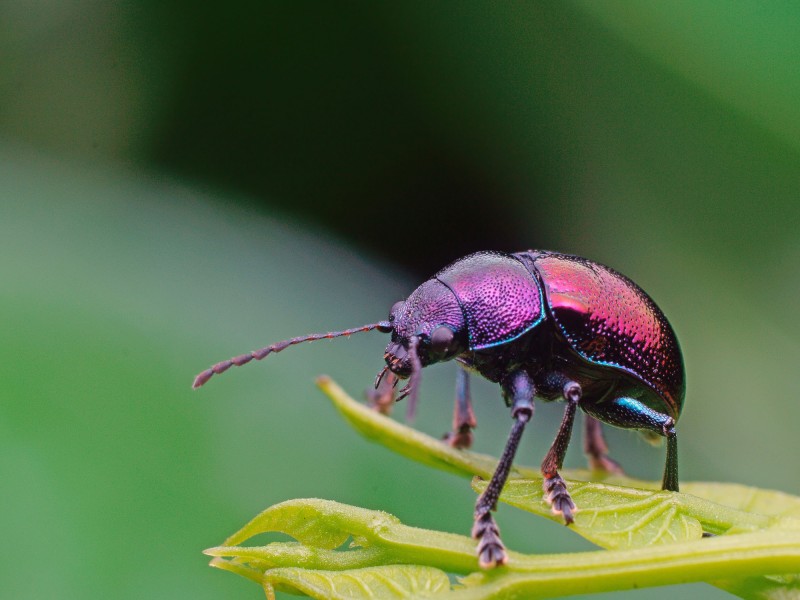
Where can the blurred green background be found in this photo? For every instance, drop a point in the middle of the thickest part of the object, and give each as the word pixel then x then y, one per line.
pixel 182 182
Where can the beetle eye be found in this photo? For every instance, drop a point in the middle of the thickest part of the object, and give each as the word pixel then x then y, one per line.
pixel 441 339
pixel 395 308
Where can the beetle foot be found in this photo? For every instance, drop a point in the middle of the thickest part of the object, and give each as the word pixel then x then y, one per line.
pixel 558 498
pixel 382 397
pixel 382 403
pixel 491 551
pixel 460 440
pixel 606 464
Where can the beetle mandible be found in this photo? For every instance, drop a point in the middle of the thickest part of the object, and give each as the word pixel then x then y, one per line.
pixel 540 324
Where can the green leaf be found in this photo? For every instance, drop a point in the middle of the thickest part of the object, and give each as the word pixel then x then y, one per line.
pixel 322 525
pixel 619 517
pixel 393 581
pixel 611 516
pixel 745 498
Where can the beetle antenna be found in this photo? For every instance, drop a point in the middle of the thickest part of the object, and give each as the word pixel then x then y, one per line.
pixel 411 390
pixel 221 367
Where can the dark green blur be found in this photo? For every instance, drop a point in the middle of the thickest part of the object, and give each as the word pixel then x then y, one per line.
pixel 181 183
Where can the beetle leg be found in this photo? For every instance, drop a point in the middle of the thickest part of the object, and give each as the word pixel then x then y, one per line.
pixel 463 417
pixel 596 449
pixel 632 414
pixel 491 551
pixel 554 485
pixel 381 398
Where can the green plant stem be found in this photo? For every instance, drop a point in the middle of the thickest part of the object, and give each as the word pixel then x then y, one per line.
pixel 725 558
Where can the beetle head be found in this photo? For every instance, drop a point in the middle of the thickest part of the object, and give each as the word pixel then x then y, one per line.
pixel 427 328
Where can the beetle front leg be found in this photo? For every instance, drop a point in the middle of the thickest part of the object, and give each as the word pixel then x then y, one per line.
pixel 381 397
pixel 632 414
pixel 491 551
pixel 554 485
pixel 463 416
pixel 596 449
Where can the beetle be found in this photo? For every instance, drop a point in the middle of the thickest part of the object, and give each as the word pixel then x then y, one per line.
pixel 540 324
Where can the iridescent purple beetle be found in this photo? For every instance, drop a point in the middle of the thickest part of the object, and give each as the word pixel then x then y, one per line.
pixel 541 324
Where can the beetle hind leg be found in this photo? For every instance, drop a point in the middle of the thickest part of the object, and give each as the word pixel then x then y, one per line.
pixel 629 413
pixel 554 485
pixel 596 449
pixel 463 416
